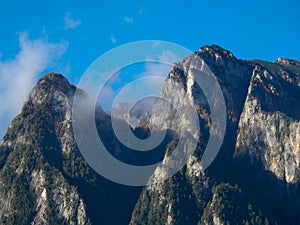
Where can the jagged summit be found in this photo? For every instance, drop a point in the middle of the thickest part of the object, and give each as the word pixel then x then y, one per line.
pixel 54 79
pixel 45 180
pixel 51 84
pixel 288 61
pixel 216 52
pixel 53 76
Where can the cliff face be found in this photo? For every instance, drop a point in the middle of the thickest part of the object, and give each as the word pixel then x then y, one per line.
pixel 269 126
pixel 253 180
pixel 44 179
pixel 33 188
pixel 262 136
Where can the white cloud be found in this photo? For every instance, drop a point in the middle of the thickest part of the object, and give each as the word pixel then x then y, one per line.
pixel 128 19
pixel 113 40
pixel 70 23
pixel 156 69
pixel 18 75
pixel 147 83
pixel 169 57
pixel 160 65
pixel 106 98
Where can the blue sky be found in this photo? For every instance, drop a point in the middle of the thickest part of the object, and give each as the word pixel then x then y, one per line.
pixel 67 36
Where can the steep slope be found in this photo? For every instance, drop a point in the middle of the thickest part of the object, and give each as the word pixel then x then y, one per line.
pixel 269 126
pixel 262 101
pixel 268 138
pixel 33 188
pixel 253 180
pixel 44 179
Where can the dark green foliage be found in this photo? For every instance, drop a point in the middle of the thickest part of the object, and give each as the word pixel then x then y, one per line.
pixel 42 128
pixel 4 152
pixel 23 198
pixel 234 189
pixel 275 68
pixel 178 203
pixel 23 203
pixel 230 207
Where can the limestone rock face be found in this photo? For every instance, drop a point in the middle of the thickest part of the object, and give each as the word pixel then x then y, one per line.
pixel 288 61
pixel 28 179
pixel 269 128
pixel 263 112
pixel 253 180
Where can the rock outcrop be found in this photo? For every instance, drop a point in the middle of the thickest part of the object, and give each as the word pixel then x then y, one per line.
pixel 262 101
pixel 253 180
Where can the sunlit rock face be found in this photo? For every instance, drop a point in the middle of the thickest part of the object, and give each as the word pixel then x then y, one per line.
pixel 36 141
pixel 44 179
pixel 253 180
pixel 263 112
pixel 269 128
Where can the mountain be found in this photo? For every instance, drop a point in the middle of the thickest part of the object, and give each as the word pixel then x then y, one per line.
pixel 253 180
pixel 44 179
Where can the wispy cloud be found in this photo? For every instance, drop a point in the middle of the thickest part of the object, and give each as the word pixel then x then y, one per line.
pixel 128 19
pixel 149 82
pixel 169 57
pixel 152 79
pixel 71 23
pixel 113 40
pixel 146 79
pixel 18 75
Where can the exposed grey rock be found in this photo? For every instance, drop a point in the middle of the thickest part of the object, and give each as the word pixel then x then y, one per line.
pixel 266 133
pixel 51 191
pixel 288 61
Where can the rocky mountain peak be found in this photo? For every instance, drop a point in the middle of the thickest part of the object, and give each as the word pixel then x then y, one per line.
pixel 216 52
pixel 39 155
pixel 288 61
pixel 45 180
pixel 51 86
pixel 55 80
pixel 52 76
